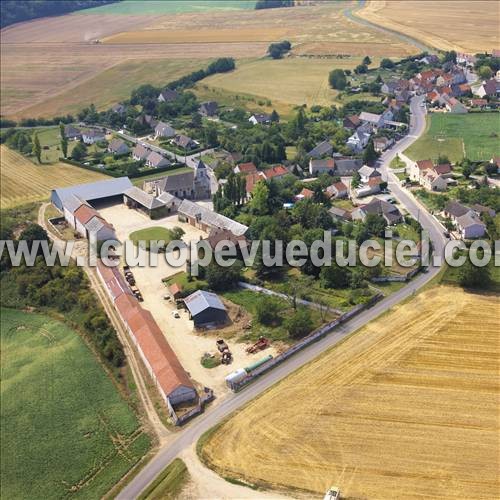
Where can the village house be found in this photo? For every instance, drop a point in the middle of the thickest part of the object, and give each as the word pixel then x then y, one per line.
pixel 156 160
pixel 321 149
pixel 92 136
pixel 168 95
pixel 375 120
pixel 340 214
pixel 88 223
pixel 146 121
pixel 140 153
pixel 380 144
pixel 371 187
pixel 260 118
pixel 118 147
pixel 359 140
pixel 318 167
pixel 245 168
pixel 432 181
pixel 351 122
pixel 418 167
pixel 470 226
pixel 209 109
pixel 72 133
pixel 275 172
pixel 366 173
pixel 185 142
pixel 455 106
pixel 119 109
pixel 304 194
pixel 388 211
pixel 164 130
pixel 489 88
pixel 337 190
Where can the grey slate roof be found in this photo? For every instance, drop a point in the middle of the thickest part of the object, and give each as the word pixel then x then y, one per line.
pixel 168 199
pixel 164 130
pixel 156 159
pixel 201 300
pixel 209 108
pixel 469 219
pixel 212 219
pixel 347 166
pixel 93 190
pixel 178 182
pixel 145 199
pixel 321 149
pixel 456 209
pixel 141 152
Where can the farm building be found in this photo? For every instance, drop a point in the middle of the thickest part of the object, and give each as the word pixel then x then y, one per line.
pixel 69 199
pixel 160 360
pixel 137 198
pixel 109 189
pixel 206 309
pixel 205 219
pixel 87 222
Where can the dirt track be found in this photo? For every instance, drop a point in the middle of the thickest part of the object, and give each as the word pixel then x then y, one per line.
pixel 405 409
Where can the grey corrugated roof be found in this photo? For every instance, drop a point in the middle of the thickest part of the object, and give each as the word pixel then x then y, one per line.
pixel 145 199
pixel 93 190
pixel 212 219
pixel 201 300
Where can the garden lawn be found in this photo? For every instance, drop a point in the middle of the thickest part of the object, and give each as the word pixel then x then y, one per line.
pixel 66 431
pixel 151 234
pixel 473 135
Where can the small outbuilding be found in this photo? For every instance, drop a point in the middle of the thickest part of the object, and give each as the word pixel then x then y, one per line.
pixel 206 309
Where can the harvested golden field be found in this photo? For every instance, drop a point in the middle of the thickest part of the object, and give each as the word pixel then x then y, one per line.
pixel 292 80
pixel 114 85
pixel 198 36
pixel 448 24
pixel 405 408
pixel 21 181
pixel 324 22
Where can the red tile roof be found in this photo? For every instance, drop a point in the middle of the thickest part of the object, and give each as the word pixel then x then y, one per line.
pixel 251 180
pixel 84 213
pixel 424 164
pixel 175 288
pixel 305 193
pixel 443 168
pixel 276 171
pixel 166 367
pixel 247 168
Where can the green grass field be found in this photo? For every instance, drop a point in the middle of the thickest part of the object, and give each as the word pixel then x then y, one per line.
pixel 149 234
pixel 66 431
pixel 169 484
pixel 148 7
pixel 474 135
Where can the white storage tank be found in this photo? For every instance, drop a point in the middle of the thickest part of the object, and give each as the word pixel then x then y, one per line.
pixel 235 377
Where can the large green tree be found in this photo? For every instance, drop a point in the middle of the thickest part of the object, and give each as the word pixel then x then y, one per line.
pixel 337 79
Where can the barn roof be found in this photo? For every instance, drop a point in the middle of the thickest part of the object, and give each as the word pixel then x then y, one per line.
pixel 93 190
pixel 199 301
pixel 145 199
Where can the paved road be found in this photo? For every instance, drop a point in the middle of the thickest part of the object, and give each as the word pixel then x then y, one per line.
pixel 232 402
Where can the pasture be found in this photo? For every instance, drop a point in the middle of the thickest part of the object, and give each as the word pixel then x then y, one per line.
pixel 404 408
pixel 160 7
pixel 474 135
pixel 66 431
pixel 424 21
pixel 21 181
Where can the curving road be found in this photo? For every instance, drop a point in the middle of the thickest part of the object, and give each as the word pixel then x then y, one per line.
pixel 232 402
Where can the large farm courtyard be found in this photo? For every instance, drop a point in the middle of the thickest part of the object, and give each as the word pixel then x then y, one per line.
pixel 188 344
pixel 405 408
